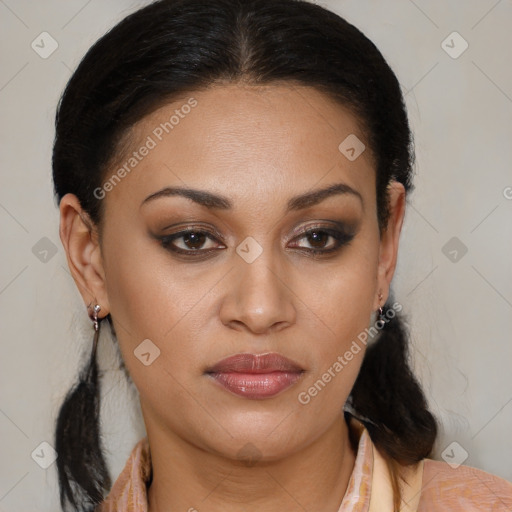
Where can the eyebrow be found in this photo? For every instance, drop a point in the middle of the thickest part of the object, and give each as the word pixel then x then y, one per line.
pixel 215 201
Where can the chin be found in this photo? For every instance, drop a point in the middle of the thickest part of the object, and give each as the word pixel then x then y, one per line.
pixel 261 436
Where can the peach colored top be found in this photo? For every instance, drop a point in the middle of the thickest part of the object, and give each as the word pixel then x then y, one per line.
pixel 443 488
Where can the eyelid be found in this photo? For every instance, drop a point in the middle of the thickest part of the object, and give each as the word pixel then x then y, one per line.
pixel 184 228
pixel 344 227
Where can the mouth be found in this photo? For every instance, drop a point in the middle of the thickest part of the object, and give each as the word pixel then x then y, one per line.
pixel 255 376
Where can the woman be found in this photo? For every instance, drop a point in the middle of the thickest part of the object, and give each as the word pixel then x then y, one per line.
pixel 232 179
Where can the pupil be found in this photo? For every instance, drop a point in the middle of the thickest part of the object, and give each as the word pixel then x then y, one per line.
pixel 194 238
pixel 318 237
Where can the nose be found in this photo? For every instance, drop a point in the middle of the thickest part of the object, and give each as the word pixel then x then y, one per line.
pixel 258 299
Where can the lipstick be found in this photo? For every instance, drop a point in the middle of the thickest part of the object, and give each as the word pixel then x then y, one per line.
pixel 256 376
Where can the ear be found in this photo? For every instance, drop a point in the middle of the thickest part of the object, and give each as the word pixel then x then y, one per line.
pixel 79 237
pixel 388 252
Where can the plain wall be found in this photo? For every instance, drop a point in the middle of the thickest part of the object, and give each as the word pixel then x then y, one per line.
pixel 458 305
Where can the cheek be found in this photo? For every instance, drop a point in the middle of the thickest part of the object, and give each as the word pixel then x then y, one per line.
pixel 347 294
pixel 341 309
pixel 149 307
pixel 147 301
pixel 154 298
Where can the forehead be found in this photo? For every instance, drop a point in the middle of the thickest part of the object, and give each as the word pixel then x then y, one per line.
pixel 247 140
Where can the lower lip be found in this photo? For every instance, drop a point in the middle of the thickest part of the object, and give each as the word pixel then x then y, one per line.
pixel 256 386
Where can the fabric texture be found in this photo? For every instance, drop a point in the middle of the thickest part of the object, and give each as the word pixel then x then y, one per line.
pixel 443 488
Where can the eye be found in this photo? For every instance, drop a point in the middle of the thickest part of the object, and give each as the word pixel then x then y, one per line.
pixel 192 241
pixel 318 238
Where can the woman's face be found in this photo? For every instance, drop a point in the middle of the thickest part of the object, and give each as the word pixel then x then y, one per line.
pixel 245 280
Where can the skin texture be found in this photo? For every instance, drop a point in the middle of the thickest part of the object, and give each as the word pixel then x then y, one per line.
pixel 258 146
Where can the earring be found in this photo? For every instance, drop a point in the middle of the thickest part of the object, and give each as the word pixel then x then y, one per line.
pixel 94 317
pixel 381 311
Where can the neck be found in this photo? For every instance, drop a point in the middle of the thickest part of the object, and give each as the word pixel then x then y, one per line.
pixel 186 478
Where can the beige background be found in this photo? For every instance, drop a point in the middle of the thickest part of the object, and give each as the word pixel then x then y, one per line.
pixel 460 311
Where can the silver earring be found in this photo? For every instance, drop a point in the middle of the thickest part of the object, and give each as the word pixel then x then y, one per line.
pixel 93 315
pixel 381 311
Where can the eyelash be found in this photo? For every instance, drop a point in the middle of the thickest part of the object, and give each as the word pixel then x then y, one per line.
pixel 341 238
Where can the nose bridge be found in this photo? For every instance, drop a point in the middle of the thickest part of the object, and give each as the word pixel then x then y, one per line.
pixel 258 272
pixel 258 298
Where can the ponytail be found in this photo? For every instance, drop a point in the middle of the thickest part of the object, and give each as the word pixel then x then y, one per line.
pixel 82 471
pixel 388 400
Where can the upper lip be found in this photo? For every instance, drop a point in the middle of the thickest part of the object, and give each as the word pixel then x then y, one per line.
pixel 255 363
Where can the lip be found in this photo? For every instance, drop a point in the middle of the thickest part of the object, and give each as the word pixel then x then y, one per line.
pixel 256 376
